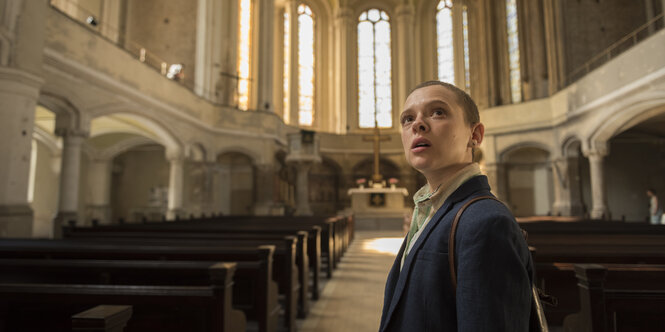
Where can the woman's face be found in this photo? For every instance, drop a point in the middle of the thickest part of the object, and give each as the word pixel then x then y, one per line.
pixel 435 134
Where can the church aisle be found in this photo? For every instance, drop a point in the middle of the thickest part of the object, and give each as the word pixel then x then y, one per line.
pixel 353 298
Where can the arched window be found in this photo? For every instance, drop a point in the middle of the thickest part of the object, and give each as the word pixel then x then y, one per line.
pixel 444 34
pixel 244 49
pixel 303 49
pixel 305 66
pixel 287 66
pixel 513 51
pixel 451 26
pixel 374 70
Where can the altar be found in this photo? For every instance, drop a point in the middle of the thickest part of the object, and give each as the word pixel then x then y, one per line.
pixel 379 208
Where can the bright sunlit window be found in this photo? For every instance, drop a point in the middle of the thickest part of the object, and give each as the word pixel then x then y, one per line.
pixel 305 66
pixel 444 34
pixel 287 66
pixel 374 70
pixel 513 51
pixel 244 47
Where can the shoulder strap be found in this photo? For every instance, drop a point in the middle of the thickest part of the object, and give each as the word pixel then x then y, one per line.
pixel 451 240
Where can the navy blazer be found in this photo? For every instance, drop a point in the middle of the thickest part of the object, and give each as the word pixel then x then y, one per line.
pixel 494 271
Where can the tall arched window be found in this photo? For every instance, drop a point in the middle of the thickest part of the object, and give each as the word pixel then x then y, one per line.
pixel 452 31
pixel 444 34
pixel 287 66
pixel 305 66
pixel 513 51
pixel 244 49
pixel 374 70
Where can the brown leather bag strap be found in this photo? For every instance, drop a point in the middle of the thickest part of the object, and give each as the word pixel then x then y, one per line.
pixel 451 240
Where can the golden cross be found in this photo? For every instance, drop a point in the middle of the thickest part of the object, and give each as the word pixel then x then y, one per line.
pixel 376 138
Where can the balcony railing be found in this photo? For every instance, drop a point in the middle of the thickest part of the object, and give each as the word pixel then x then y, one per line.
pixel 113 34
pixel 643 32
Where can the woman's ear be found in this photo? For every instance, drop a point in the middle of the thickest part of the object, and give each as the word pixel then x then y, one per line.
pixel 477 134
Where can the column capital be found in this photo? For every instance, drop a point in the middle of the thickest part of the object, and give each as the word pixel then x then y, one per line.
pixel 72 133
pixel 596 150
pixel 20 82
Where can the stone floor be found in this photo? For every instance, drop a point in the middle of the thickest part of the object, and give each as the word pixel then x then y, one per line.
pixel 353 298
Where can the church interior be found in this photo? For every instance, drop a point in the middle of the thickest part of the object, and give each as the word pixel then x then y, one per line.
pixel 280 120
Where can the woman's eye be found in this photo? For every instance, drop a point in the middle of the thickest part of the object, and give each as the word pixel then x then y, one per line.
pixel 407 119
pixel 437 112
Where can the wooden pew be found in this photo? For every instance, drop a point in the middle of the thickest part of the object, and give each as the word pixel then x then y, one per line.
pixel 619 298
pixel 102 318
pixel 244 230
pixel 555 273
pixel 287 271
pixel 32 290
pixel 255 292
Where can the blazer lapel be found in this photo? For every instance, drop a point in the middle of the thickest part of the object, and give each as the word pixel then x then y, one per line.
pixel 467 189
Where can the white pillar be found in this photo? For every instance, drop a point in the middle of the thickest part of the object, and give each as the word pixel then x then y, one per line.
pixel 405 52
pixel 343 28
pixel 69 176
pixel 264 48
pixel 291 8
pixel 598 196
pixel 302 188
pixel 176 187
pixel 18 97
pixel 208 48
pixel 567 199
pixel 99 181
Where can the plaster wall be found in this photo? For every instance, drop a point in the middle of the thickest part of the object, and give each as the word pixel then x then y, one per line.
pixel 134 173
pixel 632 168
pixel 166 29
pixel 592 26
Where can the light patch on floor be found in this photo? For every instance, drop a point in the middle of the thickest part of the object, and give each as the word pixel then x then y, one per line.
pixel 385 245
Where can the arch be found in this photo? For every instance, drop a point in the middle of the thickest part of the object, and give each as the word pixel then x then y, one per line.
pixel 68 113
pixel 570 143
pixel 623 115
pixel 506 152
pixel 154 129
pixel 254 156
pixel 124 146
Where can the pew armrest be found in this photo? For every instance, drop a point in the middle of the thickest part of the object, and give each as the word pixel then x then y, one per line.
pixel 108 318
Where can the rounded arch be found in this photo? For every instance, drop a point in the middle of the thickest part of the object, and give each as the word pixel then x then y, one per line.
pixel 68 112
pixel 254 156
pixel 505 154
pixel 571 146
pixel 624 115
pixel 143 125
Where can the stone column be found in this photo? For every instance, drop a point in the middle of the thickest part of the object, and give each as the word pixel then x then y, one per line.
pixel 554 37
pixel 208 47
pixel 405 52
pixel 265 193
pixel 99 182
pixel 176 187
pixel 291 8
pixel 532 36
pixel 343 33
pixel 567 196
pixel 598 195
pixel 19 91
pixel 302 188
pixel 110 20
pixel 68 204
pixel 227 82
pixel 264 47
